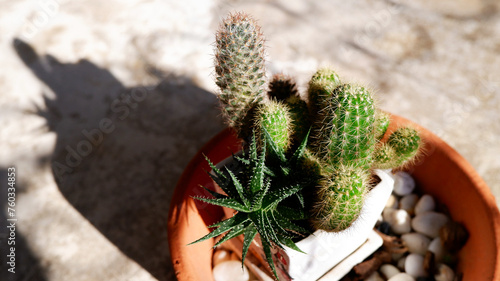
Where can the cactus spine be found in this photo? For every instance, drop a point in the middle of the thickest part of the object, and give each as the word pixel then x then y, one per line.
pixel 239 68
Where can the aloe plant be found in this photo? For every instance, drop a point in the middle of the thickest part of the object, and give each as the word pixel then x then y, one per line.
pixel 259 194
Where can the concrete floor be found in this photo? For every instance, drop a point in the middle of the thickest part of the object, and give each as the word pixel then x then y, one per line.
pixel 103 104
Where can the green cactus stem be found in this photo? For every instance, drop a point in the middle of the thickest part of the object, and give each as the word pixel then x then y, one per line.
pixel 321 87
pixel 348 120
pixel 239 68
pixel 403 146
pixel 274 117
pixel 382 121
pixel 340 198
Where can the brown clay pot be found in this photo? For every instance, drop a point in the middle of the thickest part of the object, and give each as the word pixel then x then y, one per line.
pixel 441 172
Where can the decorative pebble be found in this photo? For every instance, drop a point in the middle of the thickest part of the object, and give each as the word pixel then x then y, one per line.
pixel 429 223
pixel 389 270
pixel 403 183
pixel 417 243
pixel 437 248
pixel 414 265
pixel 408 203
pixel 402 277
pixel 454 236
pixel 444 273
pixel 220 256
pixel 399 220
pixel 230 271
pixel 374 277
pixel 392 202
pixel 425 204
pixel 401 263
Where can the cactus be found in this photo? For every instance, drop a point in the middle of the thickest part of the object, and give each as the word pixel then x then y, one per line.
pixel 307 160
pixel 275 118
pixel 382 121
pixel 401 148
pixel 339 198
pixel 239 68
pixel 282 87
pixel 347 122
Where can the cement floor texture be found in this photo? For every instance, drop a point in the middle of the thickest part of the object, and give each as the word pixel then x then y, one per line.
pixel 103 103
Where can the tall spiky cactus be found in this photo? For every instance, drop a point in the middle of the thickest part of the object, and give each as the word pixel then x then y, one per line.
pixel 240 69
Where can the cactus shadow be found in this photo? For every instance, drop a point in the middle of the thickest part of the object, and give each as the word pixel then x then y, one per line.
pixel 120 150
pixel 26 264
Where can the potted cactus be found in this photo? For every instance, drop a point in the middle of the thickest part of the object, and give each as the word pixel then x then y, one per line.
pixel 309 165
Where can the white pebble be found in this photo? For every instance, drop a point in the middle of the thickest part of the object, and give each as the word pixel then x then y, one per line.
pixel 414 265
pixel 425 204
pixel 220 256
pixel 389 270
pixel 399 220
pixel 437 248
pixel 444 273
pixel 408 203
pixel 403 183
pixel 230 271
pixel 429 223
pixel 392 202
pixel 402 277
pixel 417 243
pixel 401 263
pixel 374 277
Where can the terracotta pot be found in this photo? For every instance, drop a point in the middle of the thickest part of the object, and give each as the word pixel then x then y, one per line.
pixel 441 172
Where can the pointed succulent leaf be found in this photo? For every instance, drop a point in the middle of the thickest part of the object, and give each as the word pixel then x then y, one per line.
pixel 250 233
pixel 225 202
pixel 290 244
pixel 269 257
pixel 274 149
pixel 257 203
pixel 300 150
pixel 223 226
pixel 276 196
pixel 236 231
pixel 239 189
pixel 257 178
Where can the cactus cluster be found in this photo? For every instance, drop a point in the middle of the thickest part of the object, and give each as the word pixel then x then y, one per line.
pixel 314 157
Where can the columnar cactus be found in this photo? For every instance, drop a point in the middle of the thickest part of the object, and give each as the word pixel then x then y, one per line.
pixel 239 68
pixel 275 118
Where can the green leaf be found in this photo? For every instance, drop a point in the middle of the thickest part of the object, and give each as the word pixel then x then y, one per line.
pixel 250 233
pixel 223 226
pixel 257 178
pixel 259 197
pixel 291 213
pixel 225 202
pixel 236 231
pixel 269 257
pixel 287 224
pixel 290 244
pixel 300 150
pixel 274 149
pixel 239 189
pixel 273 198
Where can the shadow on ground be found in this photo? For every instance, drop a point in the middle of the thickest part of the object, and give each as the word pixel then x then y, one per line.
pixel 120 151
pixel 26 264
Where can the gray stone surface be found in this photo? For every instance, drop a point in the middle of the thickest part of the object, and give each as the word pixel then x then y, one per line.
pixel 127 85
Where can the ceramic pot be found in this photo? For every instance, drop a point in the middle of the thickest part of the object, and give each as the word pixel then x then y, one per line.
pixel 440 172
